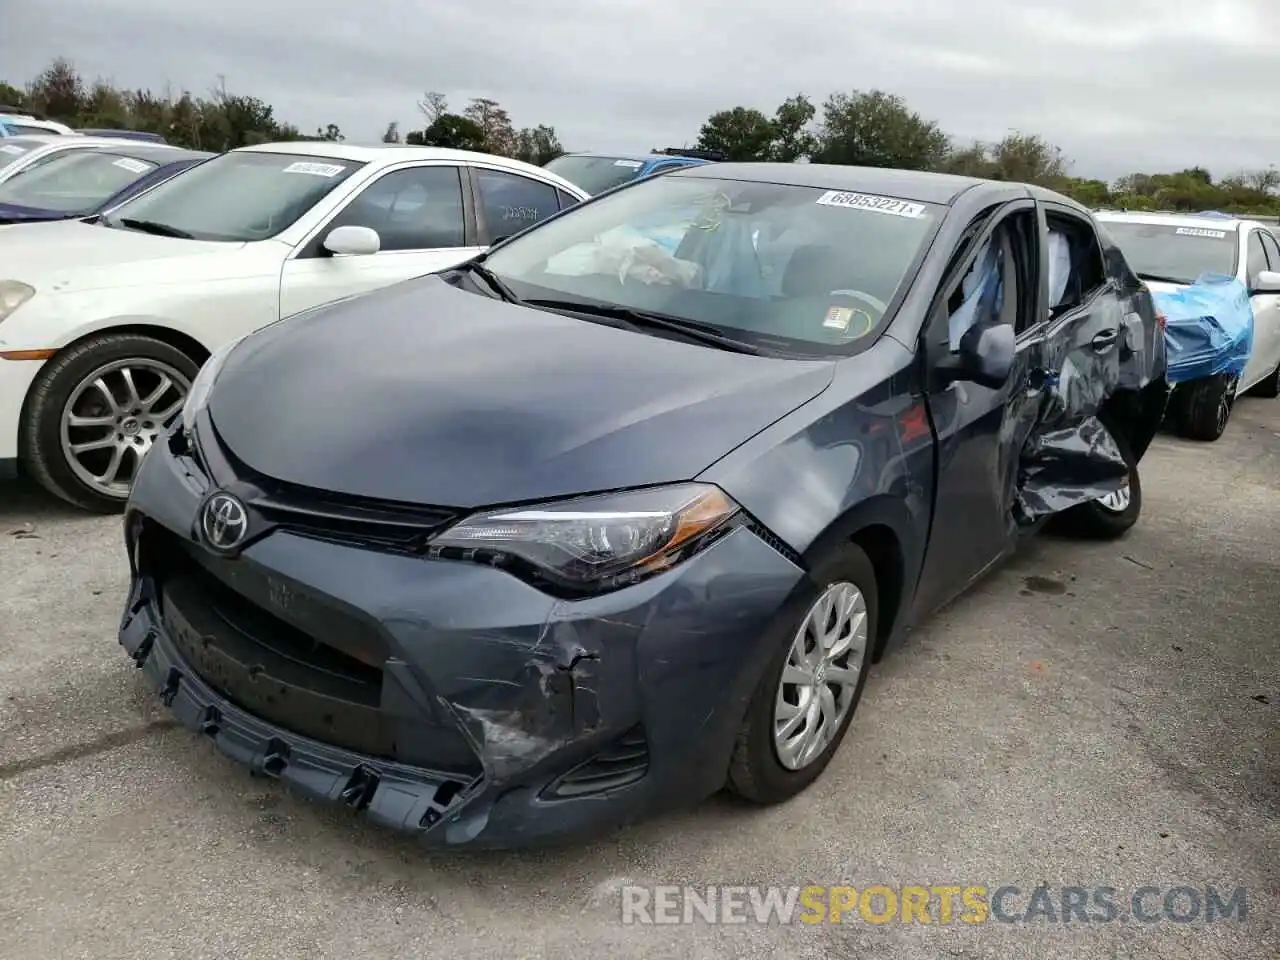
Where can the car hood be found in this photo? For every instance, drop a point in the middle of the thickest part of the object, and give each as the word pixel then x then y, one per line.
pixel 428 394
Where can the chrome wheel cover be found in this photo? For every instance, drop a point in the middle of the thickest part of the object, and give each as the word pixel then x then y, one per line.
pixel 114 416
pixel 1118 500
pixel 820 676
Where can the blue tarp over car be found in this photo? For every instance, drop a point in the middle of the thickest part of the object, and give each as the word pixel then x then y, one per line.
pixel 1209 329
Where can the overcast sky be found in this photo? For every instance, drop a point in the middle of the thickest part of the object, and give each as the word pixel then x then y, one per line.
pixel 1120 85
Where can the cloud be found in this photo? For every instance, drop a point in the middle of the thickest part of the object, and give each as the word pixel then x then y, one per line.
pixel 1143 84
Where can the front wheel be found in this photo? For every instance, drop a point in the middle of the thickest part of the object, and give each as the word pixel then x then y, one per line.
pixel 94 412
pixel 1204 409
pixel 805 700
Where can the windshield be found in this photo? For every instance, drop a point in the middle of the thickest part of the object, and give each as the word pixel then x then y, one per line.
pixel 772 264
pixel 238 196
pixel 74 180
pixel 13 149
pixel 1161 251
pixel 596 174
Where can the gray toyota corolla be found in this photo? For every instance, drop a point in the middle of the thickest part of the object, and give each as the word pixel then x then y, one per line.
pixel 621 513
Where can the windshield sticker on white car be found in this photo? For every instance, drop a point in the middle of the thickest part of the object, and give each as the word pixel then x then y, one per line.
pixel 314 169
pixel 1200 232
pixel 867 201
pixel 133 166
pixel 629 164
pixel 10 148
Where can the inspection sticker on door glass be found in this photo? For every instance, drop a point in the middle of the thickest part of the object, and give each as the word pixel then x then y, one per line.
pixel 10 148
pixel 1200 232
pixel 867 201
pixel 315 169
pixel 629 164
pixel 133 166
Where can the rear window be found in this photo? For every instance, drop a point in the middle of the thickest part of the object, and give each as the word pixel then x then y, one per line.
pixel 800 268
pixel 1175 254
pixel 596 174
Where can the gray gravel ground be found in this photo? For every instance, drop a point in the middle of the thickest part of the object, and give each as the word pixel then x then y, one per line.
pixel 1093 714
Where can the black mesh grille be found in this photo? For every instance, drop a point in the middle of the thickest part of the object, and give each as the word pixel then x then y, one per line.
pixel 623 762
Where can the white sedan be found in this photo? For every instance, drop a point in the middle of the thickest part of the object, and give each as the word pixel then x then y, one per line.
pixel 1172 250
pixel 18 154
pixel 104 322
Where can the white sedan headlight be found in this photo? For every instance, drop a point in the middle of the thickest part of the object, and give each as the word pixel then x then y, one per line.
pixel 14 294
pixel 198 395
pixel 598 542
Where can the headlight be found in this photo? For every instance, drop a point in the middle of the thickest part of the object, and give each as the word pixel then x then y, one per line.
pixel 596 542
pixel 13 295
pixel 198 395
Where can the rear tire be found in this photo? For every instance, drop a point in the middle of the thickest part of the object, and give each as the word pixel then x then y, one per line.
pixel 65 408
pixel 756 770
pixel 1110 517
pixel 1269 387
pixel 1205 408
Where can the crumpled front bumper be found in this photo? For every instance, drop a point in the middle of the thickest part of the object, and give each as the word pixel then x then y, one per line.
pixel 537 687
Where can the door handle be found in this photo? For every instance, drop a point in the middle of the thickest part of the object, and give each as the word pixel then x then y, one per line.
pixel 1104 340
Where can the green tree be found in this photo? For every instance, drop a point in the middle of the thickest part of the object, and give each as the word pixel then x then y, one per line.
pixel 537 145
pixel 741 134
pixel 330 132
pixel 792 139
pixel 452 131
pixel 392 133
pixel 495 123
pixel 878 129
pixel 58 92
pixel 1027 158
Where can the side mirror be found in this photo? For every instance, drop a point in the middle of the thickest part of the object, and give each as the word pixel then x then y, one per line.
pixel 1268 281
pixel 352 241
pixel 985 357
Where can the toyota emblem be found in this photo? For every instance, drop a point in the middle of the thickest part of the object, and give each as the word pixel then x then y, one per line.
pixel 225 522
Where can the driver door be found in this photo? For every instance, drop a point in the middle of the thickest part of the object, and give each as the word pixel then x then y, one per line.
pixel 425 221
pixel 980 431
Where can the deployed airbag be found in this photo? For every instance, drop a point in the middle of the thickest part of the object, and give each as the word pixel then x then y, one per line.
pixel 1209 328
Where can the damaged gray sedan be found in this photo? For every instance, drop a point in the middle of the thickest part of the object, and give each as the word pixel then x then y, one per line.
pixel 622 512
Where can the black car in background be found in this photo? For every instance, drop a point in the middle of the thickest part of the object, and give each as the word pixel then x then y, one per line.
pixel 623 511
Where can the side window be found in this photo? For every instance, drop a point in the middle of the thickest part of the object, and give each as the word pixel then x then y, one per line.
pixel 566 200
pixel 1076 267
pixel 511 202
pixel 419 208
pixel 998 287
pixel 1257 261
pixel 1272 248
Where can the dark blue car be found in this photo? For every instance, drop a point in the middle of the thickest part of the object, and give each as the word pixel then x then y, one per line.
pixel 598 172
pixel 594 526
pixel 81 183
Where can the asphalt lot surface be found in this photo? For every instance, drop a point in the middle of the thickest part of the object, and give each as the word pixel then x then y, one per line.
pixel 1093 714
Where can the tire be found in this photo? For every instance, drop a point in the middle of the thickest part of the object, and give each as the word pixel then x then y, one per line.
pixel 1109 518
pixel 756 771
pixel 66 385
pixel 1269 386
pixel 1206 407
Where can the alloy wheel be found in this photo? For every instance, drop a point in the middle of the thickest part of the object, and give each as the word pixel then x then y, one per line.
pixel 820 676
pixel 114 416
pixel 1118 500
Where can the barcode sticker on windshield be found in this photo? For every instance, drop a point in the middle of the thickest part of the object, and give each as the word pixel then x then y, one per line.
pixel 1200 232
pixel 315 169
pixel 133 166
pixel 630 164
pixel 10 148
pixel 867 201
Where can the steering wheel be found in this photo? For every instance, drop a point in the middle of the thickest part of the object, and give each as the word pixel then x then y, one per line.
pixel 876 304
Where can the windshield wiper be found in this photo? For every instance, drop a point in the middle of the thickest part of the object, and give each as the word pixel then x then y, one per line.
pixel 1160 278
pixel 492 279
pixel 644 320
pixel 152 226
